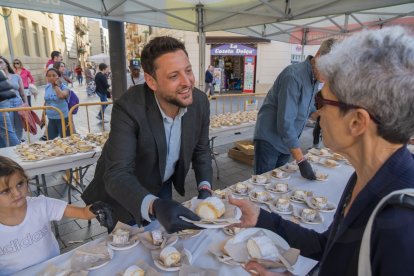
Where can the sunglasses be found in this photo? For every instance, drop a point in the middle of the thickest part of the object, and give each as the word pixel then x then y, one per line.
pixel 16 62
pixel 320 102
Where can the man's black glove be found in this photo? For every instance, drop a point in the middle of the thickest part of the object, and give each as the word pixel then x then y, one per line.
pixel 168 212
pixel 204 193
pixel 306 170
pixel 103 212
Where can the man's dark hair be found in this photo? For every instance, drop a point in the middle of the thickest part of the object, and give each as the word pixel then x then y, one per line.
pixel 102 66
pixel 157 47
pixel 54 54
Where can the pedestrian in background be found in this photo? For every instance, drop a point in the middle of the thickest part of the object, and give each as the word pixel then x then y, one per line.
pixel 20 99
pixel 209 79
pixel 135 77
pixel 26 76
pixel 79 75
pixel 54 56
pixel 90 79
pixel 8 137
pixel 102 87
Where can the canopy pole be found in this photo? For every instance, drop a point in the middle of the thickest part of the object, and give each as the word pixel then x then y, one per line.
pixel 201 44
pixel 117 58
pixel 304 39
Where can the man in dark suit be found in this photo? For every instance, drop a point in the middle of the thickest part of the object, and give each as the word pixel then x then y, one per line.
pixel 157 129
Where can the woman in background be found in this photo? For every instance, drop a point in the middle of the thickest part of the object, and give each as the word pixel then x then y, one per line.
pixel 20 99
pixel 26 76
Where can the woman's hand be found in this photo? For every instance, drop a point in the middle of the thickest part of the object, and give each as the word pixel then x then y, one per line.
pixel 250 212
pixel 255 268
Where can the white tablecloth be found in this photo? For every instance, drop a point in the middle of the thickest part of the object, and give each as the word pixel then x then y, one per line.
pixel 198 246
pixel 53 164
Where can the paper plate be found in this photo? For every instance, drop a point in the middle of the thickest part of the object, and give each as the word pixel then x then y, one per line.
pixel 246 233
pixel 111 255
pixel 120 248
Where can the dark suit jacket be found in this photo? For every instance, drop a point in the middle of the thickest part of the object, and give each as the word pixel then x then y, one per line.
pixel 133 159
pixel 337 249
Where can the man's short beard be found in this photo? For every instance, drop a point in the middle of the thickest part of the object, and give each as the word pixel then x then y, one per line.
pixel 176 103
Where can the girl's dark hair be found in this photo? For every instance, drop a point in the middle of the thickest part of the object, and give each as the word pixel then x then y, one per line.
pixel 9 68
pixel 7 168
pixel 53 69
pixel 157 47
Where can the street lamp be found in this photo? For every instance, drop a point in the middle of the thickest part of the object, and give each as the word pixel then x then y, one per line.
pixel 6 22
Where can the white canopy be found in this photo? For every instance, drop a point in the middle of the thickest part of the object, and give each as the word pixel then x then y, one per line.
pixel 283 20
pixel 296 21
pixel 100 58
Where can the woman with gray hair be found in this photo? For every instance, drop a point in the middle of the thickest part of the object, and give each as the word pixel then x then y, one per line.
pixel 367 111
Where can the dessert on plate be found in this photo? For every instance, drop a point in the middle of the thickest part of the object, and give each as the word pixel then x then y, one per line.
pixel 134 270
pixel 308 214
pixel 156 236
pixel 262 248
pixel 120 237
pixel 282 204
pixel 170 256
pixel 210 208
pixel 241 188
pixel 320 201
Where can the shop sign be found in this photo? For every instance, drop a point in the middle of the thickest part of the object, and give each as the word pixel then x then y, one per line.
pixel 233 50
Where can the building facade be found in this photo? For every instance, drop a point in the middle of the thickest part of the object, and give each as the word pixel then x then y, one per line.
pixel 33 36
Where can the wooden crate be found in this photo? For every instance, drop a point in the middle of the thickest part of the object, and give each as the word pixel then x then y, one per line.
pixel 238 155
pixel 246 146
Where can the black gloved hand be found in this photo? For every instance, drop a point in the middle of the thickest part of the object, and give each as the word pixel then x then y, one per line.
pixel 103 212
pixel 306 170
pixel 168 212
pixel 204 193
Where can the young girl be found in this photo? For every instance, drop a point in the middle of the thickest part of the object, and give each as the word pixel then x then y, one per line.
pixel 56 94
pixel 25 231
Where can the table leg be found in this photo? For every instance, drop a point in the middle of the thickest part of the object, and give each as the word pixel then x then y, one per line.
pixel 37 184
pixel 70 186
pixel 44 185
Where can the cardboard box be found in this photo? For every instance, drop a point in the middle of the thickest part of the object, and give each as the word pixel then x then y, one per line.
pixel 246 146
pixel 238 155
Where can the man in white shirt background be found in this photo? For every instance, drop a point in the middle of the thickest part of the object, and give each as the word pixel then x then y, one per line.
pixel 135 77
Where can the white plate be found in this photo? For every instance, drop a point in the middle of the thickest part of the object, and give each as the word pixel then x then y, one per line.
pixel 285 168
pixel 322 162
pixel 120 248
pixel 111 256
pixel 258 183
pixel 254 199
pixel 189 236
pixel 318 219
pixel 318 153
pixel 268 188
pixel 296 200
pixel 175 268
pixel 237 215
pixel 290 211
pixel 284 177
pixel 330 207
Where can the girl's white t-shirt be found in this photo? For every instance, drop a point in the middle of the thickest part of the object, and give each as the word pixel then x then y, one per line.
pixel 32 241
